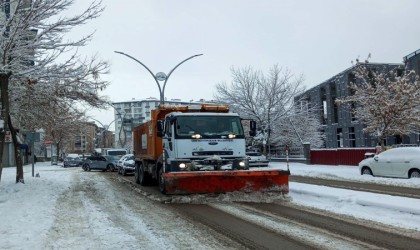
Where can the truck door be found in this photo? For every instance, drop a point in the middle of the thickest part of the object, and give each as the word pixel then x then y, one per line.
pixel 168 141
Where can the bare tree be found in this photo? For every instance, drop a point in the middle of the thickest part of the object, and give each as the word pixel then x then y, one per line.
pixel 264 98
pixel 63 127
pixel 386 102
pixel 301 126
pixel 35 57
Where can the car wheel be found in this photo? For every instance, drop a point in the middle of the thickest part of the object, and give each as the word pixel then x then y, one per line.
pixel 366 170
pixel 414 174
pixel 123 172
pixel 88 168
pixel 109 168
pixel 162 186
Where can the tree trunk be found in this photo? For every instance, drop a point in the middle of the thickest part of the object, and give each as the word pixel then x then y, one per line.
pixel 4 83
pixel 382 143
pixel 18 157
pixel 57 150
pixel 5 114
pixel 1 150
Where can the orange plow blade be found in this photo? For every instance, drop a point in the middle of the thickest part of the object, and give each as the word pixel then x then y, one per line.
pixel 226 181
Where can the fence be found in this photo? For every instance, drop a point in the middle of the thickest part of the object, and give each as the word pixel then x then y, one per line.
pixel 294 152
pixel 335 156
pixel 339 156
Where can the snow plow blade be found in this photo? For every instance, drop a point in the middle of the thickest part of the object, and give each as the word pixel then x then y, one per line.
pixel 226 181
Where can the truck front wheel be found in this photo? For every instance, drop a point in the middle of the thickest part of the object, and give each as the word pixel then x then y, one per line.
pixel 137 173
pixel 162 186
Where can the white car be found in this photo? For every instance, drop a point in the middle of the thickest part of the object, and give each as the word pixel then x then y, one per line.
pixel 256 159
pixel 398 162
pixel 122 159
pixel 128 166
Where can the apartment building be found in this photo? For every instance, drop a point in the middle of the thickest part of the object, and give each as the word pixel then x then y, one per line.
pixel 131 113
pixel 341 128
pixel 85 141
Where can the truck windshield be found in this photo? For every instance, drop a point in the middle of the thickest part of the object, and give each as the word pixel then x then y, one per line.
pixel 208 126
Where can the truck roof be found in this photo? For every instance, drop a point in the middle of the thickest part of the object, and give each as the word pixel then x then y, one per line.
pixel 162 110
pixel 202 114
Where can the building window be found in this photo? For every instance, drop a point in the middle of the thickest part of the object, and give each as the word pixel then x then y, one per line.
pixel 304 105
pixel 352 137
pixel 339 138
pixel 398 139
pixel 333 93
pixel 353 112
pixel 351 79
pixel 324 143
pixel 324 111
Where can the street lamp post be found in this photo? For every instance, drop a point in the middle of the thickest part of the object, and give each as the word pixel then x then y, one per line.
pixel 103 138
pixel 122 132
pixel 160 76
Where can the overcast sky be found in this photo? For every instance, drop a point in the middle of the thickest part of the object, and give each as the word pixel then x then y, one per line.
pixel 315 38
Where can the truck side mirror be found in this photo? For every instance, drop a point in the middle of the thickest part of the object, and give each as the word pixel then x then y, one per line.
pixel 160 128
pixel 252 128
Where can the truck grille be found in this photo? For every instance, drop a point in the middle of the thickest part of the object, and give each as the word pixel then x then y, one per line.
pixel 209 153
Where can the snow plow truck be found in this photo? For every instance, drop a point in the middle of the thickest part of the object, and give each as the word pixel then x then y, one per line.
pixel 199 148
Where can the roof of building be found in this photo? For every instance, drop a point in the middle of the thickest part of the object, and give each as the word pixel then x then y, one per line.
pixel 350 69
pixel 152 99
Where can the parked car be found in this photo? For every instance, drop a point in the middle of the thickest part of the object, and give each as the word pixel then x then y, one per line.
pixel 104 163
pixel 114 159
pixel 403 162
pixel 122 159
pixel 83 157
pixel 256 159
pixel 72 161
pixel 128 166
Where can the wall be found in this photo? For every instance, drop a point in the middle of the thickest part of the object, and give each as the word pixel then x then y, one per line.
pixel 339 156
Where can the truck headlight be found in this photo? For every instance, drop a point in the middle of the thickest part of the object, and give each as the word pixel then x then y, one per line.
pixel 242 164
pixel 231 136
pixel 196 136
pixel 182 165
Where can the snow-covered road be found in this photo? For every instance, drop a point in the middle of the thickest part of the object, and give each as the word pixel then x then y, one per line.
pixel 68 208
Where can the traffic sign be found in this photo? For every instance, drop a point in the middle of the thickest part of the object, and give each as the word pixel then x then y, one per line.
pixel 8 137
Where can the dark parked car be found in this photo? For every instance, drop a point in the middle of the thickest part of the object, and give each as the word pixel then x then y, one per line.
pixel 104 163
pixel 71 161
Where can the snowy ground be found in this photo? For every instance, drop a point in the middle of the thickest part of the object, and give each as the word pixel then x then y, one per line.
pixel 393 210
pixel 27 211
